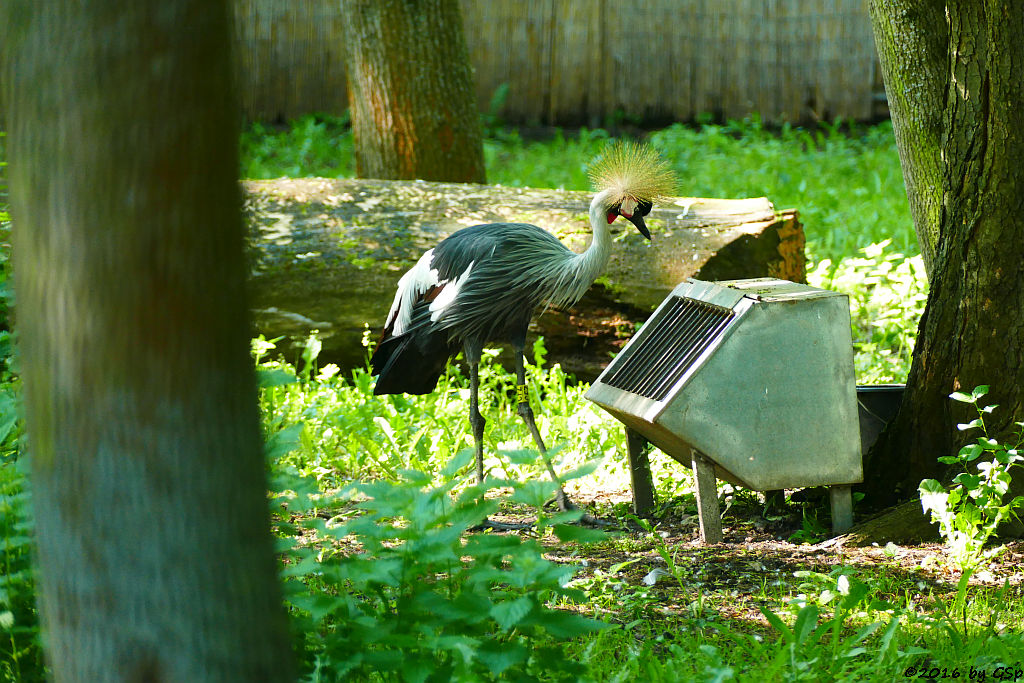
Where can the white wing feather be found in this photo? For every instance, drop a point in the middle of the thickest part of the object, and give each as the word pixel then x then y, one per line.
pixel 414 283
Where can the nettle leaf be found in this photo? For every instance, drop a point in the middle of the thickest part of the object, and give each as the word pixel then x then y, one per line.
pixel 415 477
pixel 971 452
pixel 967 480
pixel 962 397
pixel 499 657
pixel 979 391
pixel 467 607
pixel 948 459
pixel 510 612
pixel 309 564
pixel 319 605
pixel 566 624
pixel 520 456
pixel 976 422
pixel 284 441
pixel 492 546
pixel 268 378
pixel 458 461
pixel 463 645
pixel 577 534
pixel 534 493
pixel 583 470
pixel 305 489
pixel 565 517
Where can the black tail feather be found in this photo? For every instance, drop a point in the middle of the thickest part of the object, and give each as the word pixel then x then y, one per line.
pixel 409 364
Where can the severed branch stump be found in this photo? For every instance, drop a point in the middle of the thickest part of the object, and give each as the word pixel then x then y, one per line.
pixel 327 255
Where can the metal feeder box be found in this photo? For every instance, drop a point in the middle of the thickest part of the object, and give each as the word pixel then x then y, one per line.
pixel 750 381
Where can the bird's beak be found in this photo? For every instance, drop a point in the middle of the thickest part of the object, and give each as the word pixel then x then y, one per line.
pixel 638 221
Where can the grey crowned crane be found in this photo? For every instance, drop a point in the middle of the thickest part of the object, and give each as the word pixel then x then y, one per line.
pixel 482 285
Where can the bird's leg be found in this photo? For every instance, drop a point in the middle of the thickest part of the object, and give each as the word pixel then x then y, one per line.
pixel 476 420
pixel 526 412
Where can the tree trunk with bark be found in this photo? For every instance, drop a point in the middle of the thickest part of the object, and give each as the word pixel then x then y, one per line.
pixel 411 91
pixel 154 546
pixel 972 331
pixel 327 255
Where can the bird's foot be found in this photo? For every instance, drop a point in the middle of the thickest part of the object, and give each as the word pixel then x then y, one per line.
pixel 490 525
pixel 565 504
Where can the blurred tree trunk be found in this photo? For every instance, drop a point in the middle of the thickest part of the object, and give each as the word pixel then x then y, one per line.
pixel 963 142
pixel 154 551
pixel 411 92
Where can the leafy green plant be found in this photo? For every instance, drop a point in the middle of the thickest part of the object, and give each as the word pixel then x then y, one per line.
pixel 887 293
pixel 21 654
pixel 819 645
pixel 810 531
pixel 969 513
pixel 6 292
pixel 311 145
pixel 664 551
pixel 349 433
pixel 398 592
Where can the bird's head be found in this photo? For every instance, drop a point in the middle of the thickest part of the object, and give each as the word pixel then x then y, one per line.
pixel 629 177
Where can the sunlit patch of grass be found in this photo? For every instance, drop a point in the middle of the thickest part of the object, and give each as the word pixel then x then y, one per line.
pixel 310 146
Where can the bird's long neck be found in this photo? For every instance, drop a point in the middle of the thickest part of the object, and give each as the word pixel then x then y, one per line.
pixel 577 272
pixel 593 260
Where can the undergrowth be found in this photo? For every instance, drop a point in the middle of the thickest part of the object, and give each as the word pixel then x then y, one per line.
pixel 343 431
pixel 398 591
pixel 660 624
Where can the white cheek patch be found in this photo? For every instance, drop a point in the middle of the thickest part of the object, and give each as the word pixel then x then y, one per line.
pixel 449 293
pixel 627 207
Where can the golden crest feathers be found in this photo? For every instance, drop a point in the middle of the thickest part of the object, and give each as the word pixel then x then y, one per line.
pixel 633 170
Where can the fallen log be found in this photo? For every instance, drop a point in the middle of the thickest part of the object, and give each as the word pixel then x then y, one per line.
pixel 327 254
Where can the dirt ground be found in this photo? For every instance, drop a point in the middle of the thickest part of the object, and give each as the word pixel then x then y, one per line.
pixel 756 562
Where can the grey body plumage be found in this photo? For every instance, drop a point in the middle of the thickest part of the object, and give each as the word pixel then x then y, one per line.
pixel 483 284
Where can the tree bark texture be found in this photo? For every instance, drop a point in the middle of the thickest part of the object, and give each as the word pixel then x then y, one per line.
pixel 154 547
pixel 327 255
pixel 902 524
pixel 912 38
pixel 411 94
pixel 972 332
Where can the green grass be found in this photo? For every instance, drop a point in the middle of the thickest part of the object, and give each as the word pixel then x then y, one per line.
pixel 781 620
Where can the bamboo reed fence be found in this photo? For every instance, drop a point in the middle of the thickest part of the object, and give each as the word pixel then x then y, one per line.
pixel 567 62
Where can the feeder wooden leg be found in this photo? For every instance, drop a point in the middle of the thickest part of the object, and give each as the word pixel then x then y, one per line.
pixel 639 473
pixel 707 498
pixel 842 508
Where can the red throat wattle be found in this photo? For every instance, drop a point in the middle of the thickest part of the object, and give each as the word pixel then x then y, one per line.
pixel 611 217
